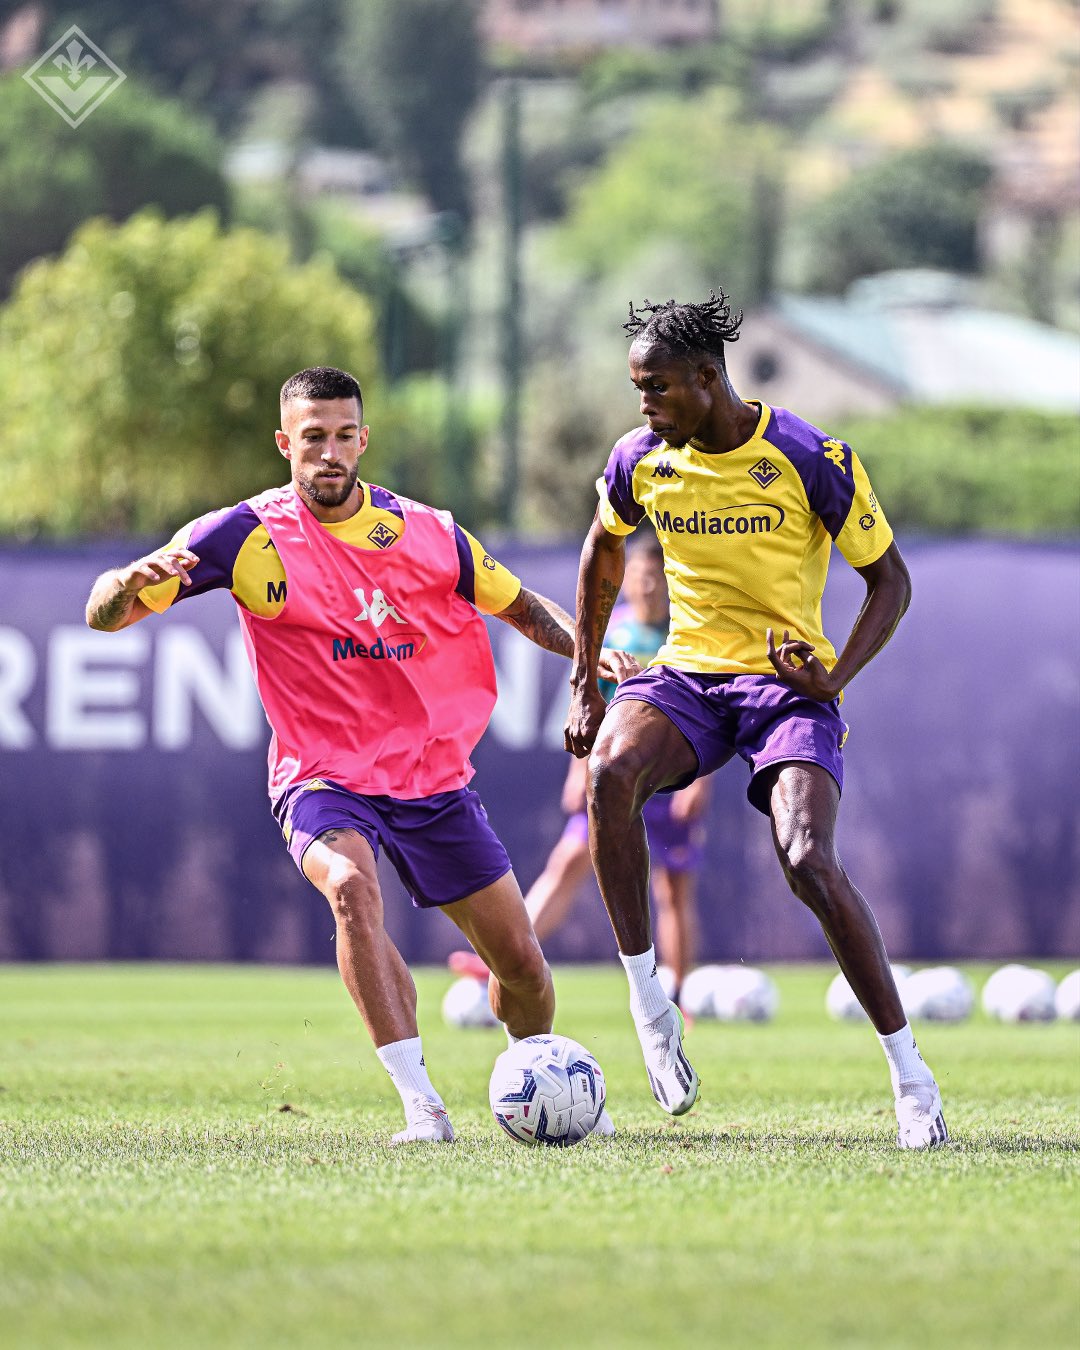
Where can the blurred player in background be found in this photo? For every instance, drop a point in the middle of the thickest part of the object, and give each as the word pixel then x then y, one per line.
pixel 747 502
pixel 360 611
pixel 673 822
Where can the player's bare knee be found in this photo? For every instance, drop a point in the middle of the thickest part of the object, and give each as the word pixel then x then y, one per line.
pixel 612 783
pixel 354 900
pixel 520 966
pixel 813 873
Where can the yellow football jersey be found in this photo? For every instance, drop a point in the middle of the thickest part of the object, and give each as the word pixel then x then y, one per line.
pixel 746 535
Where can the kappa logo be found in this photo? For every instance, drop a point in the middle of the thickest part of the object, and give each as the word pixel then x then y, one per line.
pixel 764 473
pixel 664 470
pixel 834 450
pixel 377 611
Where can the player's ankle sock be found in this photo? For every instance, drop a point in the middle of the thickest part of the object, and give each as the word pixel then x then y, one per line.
pixel 906 1065
pixel 647 997
pixel 404 1062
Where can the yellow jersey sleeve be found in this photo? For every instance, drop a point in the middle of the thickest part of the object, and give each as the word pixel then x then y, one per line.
pixel 483 581
pixel 866 534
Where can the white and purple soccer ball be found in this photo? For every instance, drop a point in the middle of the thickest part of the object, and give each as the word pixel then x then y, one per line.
pixel 937 994
pixel 730 994
pixel 465 1004
pixel 547 1090
pixel 840 1000
pixel 1067 998
pixel 1018 993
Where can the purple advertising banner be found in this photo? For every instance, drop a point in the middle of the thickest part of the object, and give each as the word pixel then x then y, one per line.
pixel 135 823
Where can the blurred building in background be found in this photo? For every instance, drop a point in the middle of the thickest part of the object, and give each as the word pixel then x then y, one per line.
pixel 915 337
pixel 580 25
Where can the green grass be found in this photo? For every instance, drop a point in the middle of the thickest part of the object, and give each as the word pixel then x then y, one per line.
pixel 154 1192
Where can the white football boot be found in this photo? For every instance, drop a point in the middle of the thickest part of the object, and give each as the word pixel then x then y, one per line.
pixel 426 1122
pixel 919 1119
pixel 672 1078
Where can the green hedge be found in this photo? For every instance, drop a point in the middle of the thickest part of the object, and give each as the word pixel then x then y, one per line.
pixel 984 471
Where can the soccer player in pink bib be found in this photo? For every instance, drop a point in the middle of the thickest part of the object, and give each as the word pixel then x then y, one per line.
pixel 360 612
pixel 747 501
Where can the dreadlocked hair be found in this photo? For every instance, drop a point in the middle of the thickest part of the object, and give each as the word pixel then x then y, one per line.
pixel 687 329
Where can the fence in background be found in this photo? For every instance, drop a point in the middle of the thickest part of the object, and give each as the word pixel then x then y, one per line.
pixel 135 822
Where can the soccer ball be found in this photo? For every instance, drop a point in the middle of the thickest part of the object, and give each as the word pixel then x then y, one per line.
pixel 1018 993
pixel 1067 998
pixel 547 1090
pixel 465 1004
pixel 696 995
pixel 741 994
pixel 938 994
pixel 841 1003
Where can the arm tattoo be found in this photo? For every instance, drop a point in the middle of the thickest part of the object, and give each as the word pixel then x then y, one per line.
pixel 541 621
pixel 109 604
pixel 605 604
pixel 109 611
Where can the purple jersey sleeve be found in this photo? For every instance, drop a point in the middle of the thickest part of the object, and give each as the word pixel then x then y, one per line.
pixel 216 539
pixel 823 463
pixel 619 474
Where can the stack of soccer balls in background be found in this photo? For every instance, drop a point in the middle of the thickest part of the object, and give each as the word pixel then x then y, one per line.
pixel 1015 993
pixel 547 1090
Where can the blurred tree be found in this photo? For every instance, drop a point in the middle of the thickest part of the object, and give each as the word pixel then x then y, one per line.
pixel 694 179
pixel 148 359
pixel 917 208
pixel 416 69
pixel 135 150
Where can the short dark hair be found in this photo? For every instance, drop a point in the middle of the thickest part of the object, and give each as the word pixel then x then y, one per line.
pixel 687 330
pixel 322 382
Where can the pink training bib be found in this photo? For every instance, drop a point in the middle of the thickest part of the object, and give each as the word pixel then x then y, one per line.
pixel 375 673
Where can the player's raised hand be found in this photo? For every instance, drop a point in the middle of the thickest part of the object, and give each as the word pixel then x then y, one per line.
pixel 797 667
pixel 616 665
pixel 156 567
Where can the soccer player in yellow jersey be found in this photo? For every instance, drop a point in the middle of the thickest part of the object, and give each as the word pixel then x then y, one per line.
pixel 747 502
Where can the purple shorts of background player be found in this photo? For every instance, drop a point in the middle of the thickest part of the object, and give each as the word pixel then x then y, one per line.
pixel 442 847
pixel 754 716
pixel 677 845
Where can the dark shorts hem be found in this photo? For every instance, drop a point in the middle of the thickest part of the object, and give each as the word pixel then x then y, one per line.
pixel 442 847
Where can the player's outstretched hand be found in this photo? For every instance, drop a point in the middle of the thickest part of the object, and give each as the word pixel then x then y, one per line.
pixel 616 665
pixel 797 667
pixel 157 567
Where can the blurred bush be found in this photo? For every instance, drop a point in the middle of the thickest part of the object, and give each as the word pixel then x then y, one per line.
pixel 136 150
pixel 917 208
pixel 141 372
pixel 987 471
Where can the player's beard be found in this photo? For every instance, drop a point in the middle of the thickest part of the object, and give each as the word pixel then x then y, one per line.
pixel 329 494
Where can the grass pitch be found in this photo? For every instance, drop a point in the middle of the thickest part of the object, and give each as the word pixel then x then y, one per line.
pixel 197 1157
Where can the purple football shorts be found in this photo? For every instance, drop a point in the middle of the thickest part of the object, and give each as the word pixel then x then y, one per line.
pixel 677 845
pixel 754 716
pixel 442 847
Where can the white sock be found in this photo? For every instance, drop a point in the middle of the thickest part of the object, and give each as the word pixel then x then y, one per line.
pixel 647 997
pixel 404 1062
pixel 906 1065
